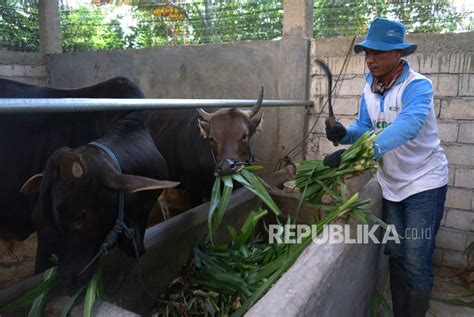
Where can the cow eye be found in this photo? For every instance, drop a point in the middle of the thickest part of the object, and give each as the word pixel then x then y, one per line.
pixel 245 137
pixel 212 140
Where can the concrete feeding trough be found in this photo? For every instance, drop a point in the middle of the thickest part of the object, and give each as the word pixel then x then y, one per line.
pixel 327 279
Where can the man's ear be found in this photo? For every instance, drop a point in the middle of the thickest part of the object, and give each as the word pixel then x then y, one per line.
pixel 204 128
pixel 32 185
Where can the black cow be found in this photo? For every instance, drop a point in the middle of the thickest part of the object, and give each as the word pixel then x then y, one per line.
pixel 27 141
pixel 199 145
pixel 78 197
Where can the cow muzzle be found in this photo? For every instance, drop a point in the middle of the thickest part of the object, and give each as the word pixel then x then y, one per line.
pixel 227 167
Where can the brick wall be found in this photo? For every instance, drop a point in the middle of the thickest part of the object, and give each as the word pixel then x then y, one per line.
pixel 24 67
pixel 448 60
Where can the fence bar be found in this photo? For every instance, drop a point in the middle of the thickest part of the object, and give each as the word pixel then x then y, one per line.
pixel 44 105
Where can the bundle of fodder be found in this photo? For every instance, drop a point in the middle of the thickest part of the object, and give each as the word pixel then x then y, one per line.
pixel 314 179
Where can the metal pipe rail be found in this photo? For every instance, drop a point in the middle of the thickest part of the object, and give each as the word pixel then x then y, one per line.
pixel 44 105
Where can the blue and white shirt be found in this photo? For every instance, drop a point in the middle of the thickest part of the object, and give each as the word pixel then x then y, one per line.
pixel 413 160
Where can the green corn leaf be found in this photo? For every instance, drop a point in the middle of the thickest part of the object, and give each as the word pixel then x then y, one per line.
pixel 223 203
pixel 67 307
pixel 336 196
pixel 215 199
pixel 380 303
pixel 358 216
pixel 255 185
pixel 248 227
pixel 261 192
pixel 232 232
pixel 241 180
pixel 253 168
pixel 100 286
pixel 49 278
pixel 36 309
pixel 90 296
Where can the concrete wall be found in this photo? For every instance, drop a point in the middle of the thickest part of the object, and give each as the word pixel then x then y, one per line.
pixel 212 71
pixel 325 277
pixel 448 60
pixel 25 67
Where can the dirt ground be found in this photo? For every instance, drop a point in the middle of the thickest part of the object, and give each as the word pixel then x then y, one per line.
pixel 19 265
pixel 449 284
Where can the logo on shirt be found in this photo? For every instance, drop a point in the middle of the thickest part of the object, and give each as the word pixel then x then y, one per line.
pixel 380 124
pixel 393 108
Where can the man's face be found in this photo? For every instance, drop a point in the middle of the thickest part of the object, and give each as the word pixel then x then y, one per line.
pixel 382 63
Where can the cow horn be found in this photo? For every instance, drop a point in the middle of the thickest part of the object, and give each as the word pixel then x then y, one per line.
pixel 252 112
pixel 203 114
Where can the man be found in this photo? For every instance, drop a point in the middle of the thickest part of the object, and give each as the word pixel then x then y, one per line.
pixel 399 102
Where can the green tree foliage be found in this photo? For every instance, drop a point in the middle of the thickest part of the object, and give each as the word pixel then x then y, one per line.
pixel 232 21
pixel 126 24
pixel 19 29
pixel 88 28
pixel 347 18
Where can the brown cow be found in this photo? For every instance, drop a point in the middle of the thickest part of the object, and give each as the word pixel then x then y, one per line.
pixel 199 145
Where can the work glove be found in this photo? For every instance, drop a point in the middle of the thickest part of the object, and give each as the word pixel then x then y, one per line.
pixel 334 159
pixel 335 133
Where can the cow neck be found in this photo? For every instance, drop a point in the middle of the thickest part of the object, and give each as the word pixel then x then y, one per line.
pixel 120 226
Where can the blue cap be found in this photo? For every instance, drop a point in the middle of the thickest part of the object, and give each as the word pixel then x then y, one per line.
pixel 386 35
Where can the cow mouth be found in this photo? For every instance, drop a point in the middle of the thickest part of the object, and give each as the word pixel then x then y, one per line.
pixel 228 167
pixel 240 166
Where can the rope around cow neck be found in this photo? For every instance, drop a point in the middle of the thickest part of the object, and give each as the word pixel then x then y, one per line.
pixel 120 226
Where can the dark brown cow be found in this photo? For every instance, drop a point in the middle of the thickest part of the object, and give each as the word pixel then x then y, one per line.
pixel 78 198
pixel 28 140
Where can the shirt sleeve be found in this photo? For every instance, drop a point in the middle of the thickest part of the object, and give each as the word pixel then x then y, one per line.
pixel 416 104
pixel 360 125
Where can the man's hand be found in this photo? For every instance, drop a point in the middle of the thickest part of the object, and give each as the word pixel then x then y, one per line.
pixel 334 159
pixel 335 133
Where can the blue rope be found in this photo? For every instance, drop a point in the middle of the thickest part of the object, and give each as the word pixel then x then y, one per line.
pixel 114 158
pixel 120 226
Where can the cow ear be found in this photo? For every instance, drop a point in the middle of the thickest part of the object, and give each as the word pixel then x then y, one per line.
pixel 204 127
pixel 132 183
pixel 32 185
pixel 257 123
